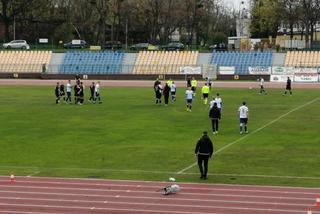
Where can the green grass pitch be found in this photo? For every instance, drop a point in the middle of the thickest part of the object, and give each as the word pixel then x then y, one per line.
pixel 129 137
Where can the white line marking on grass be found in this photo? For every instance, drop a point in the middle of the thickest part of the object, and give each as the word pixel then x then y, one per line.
pixel 33 174
pixel 251 133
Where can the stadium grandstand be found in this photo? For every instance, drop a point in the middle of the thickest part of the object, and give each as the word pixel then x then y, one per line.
pixel 24 61
pixel 85 62
pixel 164 62
pixel 242 60
pixel 302 58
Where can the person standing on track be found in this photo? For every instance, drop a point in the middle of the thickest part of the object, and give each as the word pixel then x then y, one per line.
pixel 288 87
pixel 204 150
pixel 243 113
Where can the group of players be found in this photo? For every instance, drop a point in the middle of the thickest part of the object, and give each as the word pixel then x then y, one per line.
pixel 78 92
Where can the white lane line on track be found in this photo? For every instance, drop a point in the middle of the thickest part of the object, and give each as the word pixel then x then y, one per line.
pixel 311 199
pixel 87 186
pixel 157 203
pixel 150 210
pixel 253 132
pixel 23 212
pixel 159 172
pixel 63 180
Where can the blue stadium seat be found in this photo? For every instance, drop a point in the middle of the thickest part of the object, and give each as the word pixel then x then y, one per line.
pixel 86 62
pixel 242 60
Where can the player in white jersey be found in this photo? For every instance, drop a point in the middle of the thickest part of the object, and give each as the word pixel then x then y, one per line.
pixel 68 89
pixel 212 102
pixel 218 100
pixel 173 90
pixel 97 92
pixel 243 113
pixel 261 82
pixel 189 97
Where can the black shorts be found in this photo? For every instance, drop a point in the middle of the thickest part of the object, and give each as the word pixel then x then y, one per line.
pixel 288 87
pixel 173 93
pixel 244 120
pixel 97 94
pixel 189 101
pixel 205 96
pixel 158 95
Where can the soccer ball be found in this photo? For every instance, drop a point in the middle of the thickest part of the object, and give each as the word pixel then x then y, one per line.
pixel 250 88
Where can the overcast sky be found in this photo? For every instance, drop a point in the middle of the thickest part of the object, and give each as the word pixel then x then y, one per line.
pixel 235 3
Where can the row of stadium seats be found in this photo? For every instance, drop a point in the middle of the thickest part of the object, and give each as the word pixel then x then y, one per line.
pixel 155 62
pixel 242 60
pixel 24 61
pixel 162 62
pixel 85 62
pixel 302 58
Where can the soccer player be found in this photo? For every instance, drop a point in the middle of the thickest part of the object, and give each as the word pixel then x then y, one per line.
pixel 204 150
pixel 243 113
pixel 92 90
pixel 212 102
pixel 62 93
pixel 194 85
pixel 158 90
pixel 166 93
pixel 97 93
pixel 57 93
pixel 218 100
pixel 215 116
pixel 288 87
pixel 76 89
pixel 169 82
pixel 173 91
pixel 205 93
pixel 81 94
pixel 262 90
pixel 188 82
pixel 208 81
pixel 68 88
pixel 189 97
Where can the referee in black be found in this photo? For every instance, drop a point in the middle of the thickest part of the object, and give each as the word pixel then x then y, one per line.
pixel 204 151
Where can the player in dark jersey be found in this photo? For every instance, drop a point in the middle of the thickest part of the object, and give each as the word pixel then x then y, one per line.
pixel 288 87
pixel 92 88
pixel 57 93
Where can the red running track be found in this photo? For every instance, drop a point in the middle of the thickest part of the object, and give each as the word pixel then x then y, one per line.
pixel 35 195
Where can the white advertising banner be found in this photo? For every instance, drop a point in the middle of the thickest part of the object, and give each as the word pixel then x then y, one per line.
pixel 280 78
pixel 280 70
pixel 304 77
pixel 259 70
pixel 227 70
pixel 190 70
pixel 305 70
